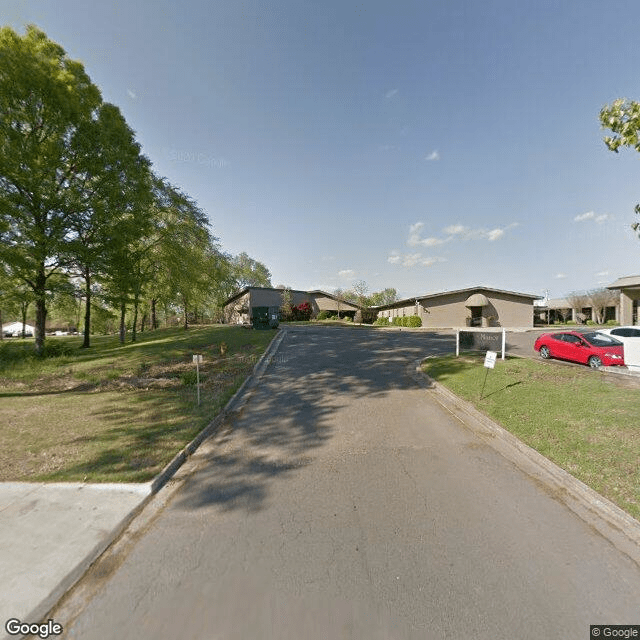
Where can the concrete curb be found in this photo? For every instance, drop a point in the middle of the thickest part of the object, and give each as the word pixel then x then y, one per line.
pixel 621 529
pixel 44 610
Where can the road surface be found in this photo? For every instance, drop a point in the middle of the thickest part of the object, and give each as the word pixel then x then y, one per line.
pixel 346 502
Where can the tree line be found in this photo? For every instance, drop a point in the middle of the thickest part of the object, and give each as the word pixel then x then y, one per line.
pixel 83 217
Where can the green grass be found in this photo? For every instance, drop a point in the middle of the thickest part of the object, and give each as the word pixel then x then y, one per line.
pixel 584 421
pixel 115 413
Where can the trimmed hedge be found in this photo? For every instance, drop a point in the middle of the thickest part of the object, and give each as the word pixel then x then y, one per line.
pixel 408 321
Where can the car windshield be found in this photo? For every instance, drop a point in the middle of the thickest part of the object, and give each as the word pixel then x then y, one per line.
pixel 601 340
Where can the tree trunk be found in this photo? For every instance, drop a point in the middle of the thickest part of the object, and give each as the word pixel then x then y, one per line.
pixel 134 331
pixel 143 322
pixel 86 342
pixel 1 331
pixel 186 322
pixel 41 309
pixel 123 331
pixel 154 319
pixel 24 306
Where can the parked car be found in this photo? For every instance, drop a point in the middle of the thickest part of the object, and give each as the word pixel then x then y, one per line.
pixel 592 348
pixel 622 332
pixel 630 338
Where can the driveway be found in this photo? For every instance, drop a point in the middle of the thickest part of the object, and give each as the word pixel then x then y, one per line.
pixel 344 501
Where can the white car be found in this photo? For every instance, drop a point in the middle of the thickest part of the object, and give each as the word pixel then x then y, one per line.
pixel 630 338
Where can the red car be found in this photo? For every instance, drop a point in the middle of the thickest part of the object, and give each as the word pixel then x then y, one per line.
pixel 592 348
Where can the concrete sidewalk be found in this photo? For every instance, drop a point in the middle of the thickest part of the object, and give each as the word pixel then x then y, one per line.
pixel 50 534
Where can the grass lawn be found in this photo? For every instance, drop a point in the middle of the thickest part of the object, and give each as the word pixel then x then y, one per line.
pixel 115 413
pixel 584 421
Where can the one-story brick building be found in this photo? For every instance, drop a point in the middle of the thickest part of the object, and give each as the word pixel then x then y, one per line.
pixel 472 307
pixel 238 308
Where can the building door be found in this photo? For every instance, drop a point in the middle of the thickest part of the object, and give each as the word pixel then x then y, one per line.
pixel 476 316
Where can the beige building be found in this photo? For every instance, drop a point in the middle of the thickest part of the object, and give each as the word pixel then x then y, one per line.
pixel 474 307
pixel 629 288
pixel 238 308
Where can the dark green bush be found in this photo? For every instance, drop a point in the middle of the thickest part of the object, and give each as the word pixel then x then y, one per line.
pixel 382 322
pixel 324 315
pixel 54 349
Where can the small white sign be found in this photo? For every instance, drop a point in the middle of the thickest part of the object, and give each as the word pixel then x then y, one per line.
pixel 197 359
pixel 490 359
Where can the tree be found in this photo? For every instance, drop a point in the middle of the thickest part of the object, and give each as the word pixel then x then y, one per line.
pixel 600 299
pixel 386 296
pixel 190 265
pixel 286 308
pixel 339 294
pixel 117 200
pixel 622 118
pixel 578 301
pixel 248 272
pixel 7 300
pixel 62 165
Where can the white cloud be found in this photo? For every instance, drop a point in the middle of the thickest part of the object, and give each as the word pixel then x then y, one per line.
pixel 434 155
pixel 131 94
pixel 495 234
pixel 347 273
pixel 560 276
pixel 415 240
pixel 602 274
pixel 590 215
pixel 455 229
pixel 391 93
pixel 412 259
pixel 394 258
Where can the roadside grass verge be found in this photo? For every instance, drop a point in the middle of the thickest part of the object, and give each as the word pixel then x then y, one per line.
pixel 584 421
pixel 115 413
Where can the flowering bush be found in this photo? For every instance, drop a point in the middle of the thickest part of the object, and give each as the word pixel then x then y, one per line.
pixel 302 311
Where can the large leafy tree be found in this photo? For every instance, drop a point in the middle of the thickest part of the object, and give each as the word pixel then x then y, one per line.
pixel 64 158
pixel 115 211
pixel 622 118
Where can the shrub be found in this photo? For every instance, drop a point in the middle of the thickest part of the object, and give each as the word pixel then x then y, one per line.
pixel 301 312
pixel 612 323
pixel 56 349
pixel 407 321
pixel 347 319
pixel 323 315
pixel 382 322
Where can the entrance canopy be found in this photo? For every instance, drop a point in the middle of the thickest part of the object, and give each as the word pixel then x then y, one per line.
pixel 477 300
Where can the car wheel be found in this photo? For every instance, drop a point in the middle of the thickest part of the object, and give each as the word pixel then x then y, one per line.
pixel 544 352
pixel 594 362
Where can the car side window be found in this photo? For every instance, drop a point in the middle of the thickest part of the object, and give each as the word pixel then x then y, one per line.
pixel 624 333
pixel 558 336
pixel 573 339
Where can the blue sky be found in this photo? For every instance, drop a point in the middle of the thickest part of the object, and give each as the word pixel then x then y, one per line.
pixel 419 145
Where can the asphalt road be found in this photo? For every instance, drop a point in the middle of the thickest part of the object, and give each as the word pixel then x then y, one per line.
pixel 344 501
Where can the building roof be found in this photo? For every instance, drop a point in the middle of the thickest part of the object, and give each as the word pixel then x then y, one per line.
pixel 315 292
pixel 626 282
pixel 470 291
pixel 240 293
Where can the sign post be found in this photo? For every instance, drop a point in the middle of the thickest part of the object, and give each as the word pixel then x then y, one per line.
pixel 489 363
pixel 197 360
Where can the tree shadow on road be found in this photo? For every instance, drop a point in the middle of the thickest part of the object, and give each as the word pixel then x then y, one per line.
pixel 293 411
